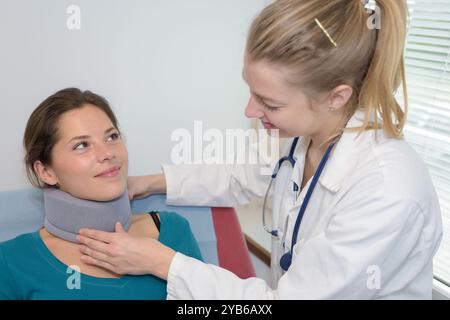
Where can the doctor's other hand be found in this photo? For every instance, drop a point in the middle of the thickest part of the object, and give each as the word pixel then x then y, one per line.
pixel 122 253
pixel 143 186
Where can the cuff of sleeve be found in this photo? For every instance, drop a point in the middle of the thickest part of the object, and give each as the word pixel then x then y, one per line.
pixel 171 185
pixel 176 285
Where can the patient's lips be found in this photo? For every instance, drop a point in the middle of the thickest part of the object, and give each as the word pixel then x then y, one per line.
pixel 110 172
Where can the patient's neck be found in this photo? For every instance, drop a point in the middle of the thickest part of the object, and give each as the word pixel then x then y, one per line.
pixel 69 252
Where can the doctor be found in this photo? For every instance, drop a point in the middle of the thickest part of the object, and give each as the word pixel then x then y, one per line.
pixel 355 213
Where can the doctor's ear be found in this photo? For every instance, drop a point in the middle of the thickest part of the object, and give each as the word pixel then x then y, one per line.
pixel 339 97
pixel 45 173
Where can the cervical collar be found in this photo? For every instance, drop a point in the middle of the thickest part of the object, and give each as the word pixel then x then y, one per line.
pixel 65 215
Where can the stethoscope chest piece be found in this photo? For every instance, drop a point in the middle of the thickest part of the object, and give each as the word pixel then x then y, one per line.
pixel 285 261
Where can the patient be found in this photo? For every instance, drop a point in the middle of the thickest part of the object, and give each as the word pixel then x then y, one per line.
pixel 75 153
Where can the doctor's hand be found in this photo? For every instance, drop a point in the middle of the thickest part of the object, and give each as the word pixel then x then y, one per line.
pixel 143 186
pixel 122 253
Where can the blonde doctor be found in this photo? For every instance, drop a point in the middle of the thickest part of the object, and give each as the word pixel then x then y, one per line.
pixel 355 213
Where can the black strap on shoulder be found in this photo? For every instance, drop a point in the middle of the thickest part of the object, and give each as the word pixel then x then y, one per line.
pixel 154 215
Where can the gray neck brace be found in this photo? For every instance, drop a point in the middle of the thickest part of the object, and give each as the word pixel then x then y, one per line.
pixel 65 215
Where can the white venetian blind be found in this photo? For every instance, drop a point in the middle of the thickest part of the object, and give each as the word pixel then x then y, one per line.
pixel 428 128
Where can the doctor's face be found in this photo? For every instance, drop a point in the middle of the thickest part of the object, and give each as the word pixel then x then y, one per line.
pixel 276 104
pixel 89 160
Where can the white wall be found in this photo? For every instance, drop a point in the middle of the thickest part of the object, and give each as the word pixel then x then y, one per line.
pixel 161 63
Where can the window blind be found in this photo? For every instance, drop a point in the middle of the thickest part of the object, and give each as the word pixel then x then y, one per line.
pixel 427 60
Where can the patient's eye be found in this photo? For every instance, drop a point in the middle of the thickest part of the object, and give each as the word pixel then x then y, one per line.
pixel 80 146
pixel 114 136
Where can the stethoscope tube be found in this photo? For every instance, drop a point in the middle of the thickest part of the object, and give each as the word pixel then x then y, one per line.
pixel 286 259
pixel 291 160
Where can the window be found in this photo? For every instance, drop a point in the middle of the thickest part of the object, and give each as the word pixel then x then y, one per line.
pixel 427 60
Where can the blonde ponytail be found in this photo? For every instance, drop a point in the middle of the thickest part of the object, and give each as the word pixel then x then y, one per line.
pixel 387 70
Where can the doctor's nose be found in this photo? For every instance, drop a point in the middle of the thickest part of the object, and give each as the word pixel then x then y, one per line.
pixel 253 109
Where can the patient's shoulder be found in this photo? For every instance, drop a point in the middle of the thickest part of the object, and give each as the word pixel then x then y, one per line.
pixel 173 219
pixel 12 253
pixel 21 241
pixel 144 226
pixel 169 221
pixel 176 233
pixel 20 250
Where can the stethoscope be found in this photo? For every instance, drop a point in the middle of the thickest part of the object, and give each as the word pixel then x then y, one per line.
pixel 286 259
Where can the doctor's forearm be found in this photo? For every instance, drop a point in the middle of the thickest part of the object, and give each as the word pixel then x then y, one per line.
pixel 157 183
pixel 143 186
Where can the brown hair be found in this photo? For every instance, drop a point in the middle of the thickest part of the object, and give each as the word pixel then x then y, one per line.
pixel 367 59
pixel 41 132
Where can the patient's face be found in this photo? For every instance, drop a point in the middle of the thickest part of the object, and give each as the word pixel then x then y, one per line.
pixel 89 160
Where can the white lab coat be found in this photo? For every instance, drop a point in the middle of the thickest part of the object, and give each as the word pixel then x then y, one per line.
pixel 370 229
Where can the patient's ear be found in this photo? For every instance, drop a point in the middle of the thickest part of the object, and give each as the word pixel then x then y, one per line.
pixel 45 173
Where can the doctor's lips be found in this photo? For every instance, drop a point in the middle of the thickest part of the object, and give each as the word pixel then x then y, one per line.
pixel 268 125
pixel 111 172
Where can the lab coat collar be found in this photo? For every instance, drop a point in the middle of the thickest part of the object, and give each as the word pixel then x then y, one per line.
pixel 345 155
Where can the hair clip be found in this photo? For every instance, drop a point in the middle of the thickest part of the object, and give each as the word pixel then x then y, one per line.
pixel 326 33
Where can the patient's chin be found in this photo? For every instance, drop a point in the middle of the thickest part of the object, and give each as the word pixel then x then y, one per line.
pixel 107 193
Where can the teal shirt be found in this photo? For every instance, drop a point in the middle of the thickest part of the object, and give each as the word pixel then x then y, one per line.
pixel 28 270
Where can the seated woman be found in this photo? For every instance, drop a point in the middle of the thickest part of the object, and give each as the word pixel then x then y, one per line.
pixel 74 152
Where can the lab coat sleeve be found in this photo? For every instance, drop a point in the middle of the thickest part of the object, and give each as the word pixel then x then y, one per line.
pixel 219 185
pixel 364 240
pixel 192 279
